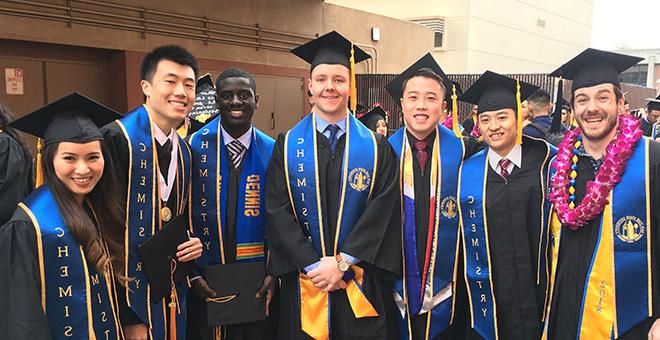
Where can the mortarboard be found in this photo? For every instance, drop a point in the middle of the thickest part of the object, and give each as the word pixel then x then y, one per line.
pixel 593 67
pixel 653 104
pixel 204 81
pixel 158 255
pixel 492 92
pixel 235 285
pixel 334 49
pixel 395 87
pixel 72 118
pixel 372 117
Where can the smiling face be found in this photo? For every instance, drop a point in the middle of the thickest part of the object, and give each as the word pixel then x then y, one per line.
pixel 498 129
pixel 596 111
pixel 170 92
pixel 381 127
pixel 236 101
pixel 330 88
pixel 79 166
pixel 422 105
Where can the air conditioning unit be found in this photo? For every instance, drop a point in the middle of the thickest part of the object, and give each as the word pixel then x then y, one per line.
pixel 437 25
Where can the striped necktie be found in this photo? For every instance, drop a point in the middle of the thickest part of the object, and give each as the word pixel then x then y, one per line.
pixel 235 149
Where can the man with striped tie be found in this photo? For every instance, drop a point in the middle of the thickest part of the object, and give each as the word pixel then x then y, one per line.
pixel 230 158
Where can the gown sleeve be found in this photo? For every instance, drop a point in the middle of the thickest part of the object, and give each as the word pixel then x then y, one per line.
pixel 15 176
pixel 21 315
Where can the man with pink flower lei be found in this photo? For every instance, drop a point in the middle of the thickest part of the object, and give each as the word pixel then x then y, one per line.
pixel 604 187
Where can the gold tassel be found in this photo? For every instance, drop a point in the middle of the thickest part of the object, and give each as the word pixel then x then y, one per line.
pixel 353 98
pixel 39 174
pixel 454 112
pixel 174 302
pixel 519 118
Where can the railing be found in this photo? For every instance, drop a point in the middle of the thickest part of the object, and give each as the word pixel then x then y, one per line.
pixel 149 21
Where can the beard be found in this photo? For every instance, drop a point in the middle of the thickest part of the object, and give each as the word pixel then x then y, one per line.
pixel 610 120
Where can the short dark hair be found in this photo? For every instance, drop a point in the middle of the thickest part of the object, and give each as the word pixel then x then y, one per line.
pixel 426 73
pixel 618 94
pixel 174 53
pixel 237 72
pixel 540 97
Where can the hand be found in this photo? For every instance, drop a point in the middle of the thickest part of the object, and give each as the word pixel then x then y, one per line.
pixel 189 250
pixel 268 288
pixel 327 275
pixel 201 289
pixel 654 332
pixel 136 332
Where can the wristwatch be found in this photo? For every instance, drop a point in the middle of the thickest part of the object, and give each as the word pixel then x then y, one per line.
pixel 342 264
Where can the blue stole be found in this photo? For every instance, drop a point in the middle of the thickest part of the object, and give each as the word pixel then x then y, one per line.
pixel 615 301
pixel 143 206
pixel 358 174
pixel 478 272
pixel 412 292
pixel 209 196
pixel 654 134
pixel 78 301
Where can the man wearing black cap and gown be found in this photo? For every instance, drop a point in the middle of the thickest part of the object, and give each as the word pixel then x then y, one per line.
pixel 604 279
pixel 651 116
pixel 430 156
pixel 503 212
pixel 154 169
pixel 48 247
pixel 331 211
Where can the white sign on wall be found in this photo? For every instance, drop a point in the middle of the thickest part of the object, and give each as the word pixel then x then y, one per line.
pixel 14 81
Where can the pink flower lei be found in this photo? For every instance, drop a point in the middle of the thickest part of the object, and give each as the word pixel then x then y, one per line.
pixel 618 152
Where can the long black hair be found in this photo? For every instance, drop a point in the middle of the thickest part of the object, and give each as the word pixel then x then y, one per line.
pixel 106 206
pixel 7 117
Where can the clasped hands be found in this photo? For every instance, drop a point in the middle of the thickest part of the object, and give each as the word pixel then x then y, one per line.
pixel 327 276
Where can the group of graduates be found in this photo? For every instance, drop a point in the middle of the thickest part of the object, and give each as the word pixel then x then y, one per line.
pixel 145 226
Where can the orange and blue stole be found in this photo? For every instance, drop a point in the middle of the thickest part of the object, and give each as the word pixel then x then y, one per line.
pixel 78 301
pixel 143 219
pixel 359 166
pixel 421 289
pixel 209 196
pixel 618 291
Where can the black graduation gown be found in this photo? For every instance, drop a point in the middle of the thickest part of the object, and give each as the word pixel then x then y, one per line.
pixel 646 126
pixel 513 212
pixel 375 240
pixel 118 148
pixel 21 315
pixel 15 175
pixel 576 251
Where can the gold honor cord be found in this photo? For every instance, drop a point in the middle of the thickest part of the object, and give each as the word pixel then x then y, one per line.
pixel 454 112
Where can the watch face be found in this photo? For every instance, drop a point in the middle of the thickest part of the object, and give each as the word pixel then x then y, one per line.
pixel 344 265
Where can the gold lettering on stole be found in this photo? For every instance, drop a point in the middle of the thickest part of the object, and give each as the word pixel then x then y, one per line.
pixel 143 163
pixel 203 187
pixel 143 147
pixel 300 153
pixel 484 310
pixel 302 182
pixel 141 232
pixel 203 158
pixel 141 198
pixel 475 242
pixel 208 245
pixel 473 213
pixel 478 270
pixel 141 215
pixel 470 199
pixel 66 311
pixel 473 228
pixel 203 218
pixel 479 283
pixel 302 196
pixel 143 180
pixel 203 202
pixel 68 331
pixel 107 334
pixel 301 140
pixel 205 144
pixel 206 231
pixel 483 297
pixel 138 267
pixel 65 292
pixel 203 172
pixel 205 132
pixel 137 283
pixel 98 296
pixel 104 317
pixel 64 271
pixel 304 211
pixel 301 167
pixel 60 232
pixel 62 250
pixel 95 279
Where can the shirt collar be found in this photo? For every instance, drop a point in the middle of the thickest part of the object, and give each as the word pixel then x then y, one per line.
pixel 515 156
pixel 245 139
pixel 161 137
pixel 321 125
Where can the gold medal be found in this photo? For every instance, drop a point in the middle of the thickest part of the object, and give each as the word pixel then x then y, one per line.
pixel 166 214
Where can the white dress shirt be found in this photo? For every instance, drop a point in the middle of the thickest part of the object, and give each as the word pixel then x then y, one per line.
pixel 161 138
pixel 515 156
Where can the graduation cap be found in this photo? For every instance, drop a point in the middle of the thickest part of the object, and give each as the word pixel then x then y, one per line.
pixel 72 118
pixel 158 255
pixel 395 87
pixel 371 118
pixel 334 49
pixel 653 104
pixel 593 67
pixel 235 285
pixel 492 92
pixel 204 82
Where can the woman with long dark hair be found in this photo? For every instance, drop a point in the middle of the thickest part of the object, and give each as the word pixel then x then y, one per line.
pixel 59 251
pixel 15 167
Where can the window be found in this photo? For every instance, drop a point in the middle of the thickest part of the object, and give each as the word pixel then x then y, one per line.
pixel 437 39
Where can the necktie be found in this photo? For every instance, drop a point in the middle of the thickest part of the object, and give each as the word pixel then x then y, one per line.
pixel 333 128
pixel 164 157
pixel 235 149
pixel 504 165
pixel 422 155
